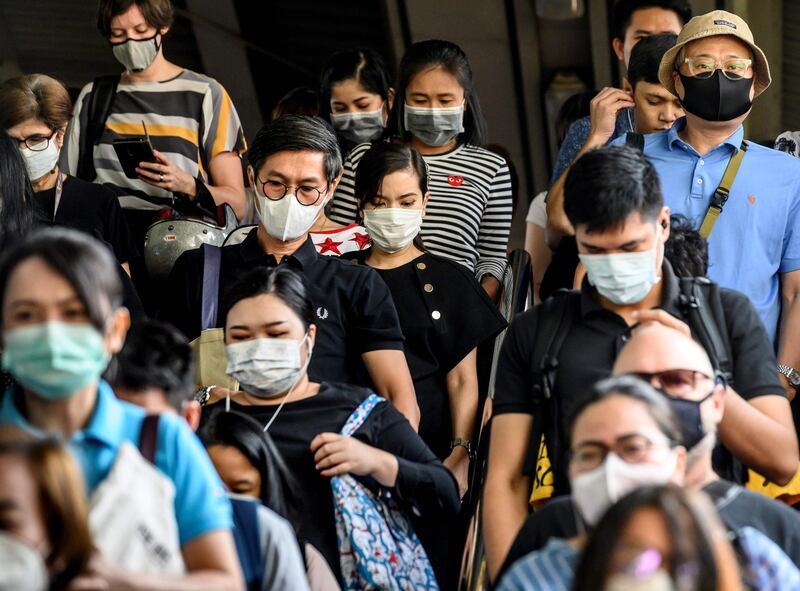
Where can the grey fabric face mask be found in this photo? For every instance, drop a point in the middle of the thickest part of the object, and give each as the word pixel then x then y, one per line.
pixel 435 126
pixel 359 127
pixel 136 54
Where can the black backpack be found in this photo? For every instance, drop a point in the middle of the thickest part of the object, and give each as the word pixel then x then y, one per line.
pixel 98 107
pixel 701 303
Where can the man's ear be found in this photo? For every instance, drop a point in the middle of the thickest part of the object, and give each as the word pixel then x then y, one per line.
pixel 664 222
pixel 335 182
pixel 618 45
pixel 191 412
pixel 251 176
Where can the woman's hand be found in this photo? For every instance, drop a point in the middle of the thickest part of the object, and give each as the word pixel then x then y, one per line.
pixel 335 454
pixel 100 575
pixel 166 175
pixel 458 464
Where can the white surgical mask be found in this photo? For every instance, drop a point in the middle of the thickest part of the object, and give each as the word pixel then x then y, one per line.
pixel 39 163
pixel 434 126
pixel 392 229
pixel 359 127
pixel 595 491
pixel 623 278
pixel 266 367
pixel 136 54
pixel 287 219
pixel 22 567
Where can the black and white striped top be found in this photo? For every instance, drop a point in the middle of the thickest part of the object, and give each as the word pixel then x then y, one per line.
pixel 190 119
pixel 468 217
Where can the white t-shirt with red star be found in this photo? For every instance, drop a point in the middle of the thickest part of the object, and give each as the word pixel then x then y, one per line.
pixel 338 241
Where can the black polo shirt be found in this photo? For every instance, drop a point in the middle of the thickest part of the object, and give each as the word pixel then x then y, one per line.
pixel 593 342
pixel 354 310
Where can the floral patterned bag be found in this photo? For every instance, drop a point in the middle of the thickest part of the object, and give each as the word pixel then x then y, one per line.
pixel 378 549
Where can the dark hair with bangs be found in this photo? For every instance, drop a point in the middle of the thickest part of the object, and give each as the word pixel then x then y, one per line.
pixel 83 261
pixel 382 160
pixel 433 53
pixel 157 13
pixel 297 133
pixel 283 282
pixel 623 12
pixel 605 186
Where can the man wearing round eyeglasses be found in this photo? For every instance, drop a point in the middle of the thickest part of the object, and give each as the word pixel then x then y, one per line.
pixel 751 215
pixel 295 165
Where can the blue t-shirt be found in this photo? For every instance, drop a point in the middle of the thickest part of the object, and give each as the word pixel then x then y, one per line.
pixel 756 238
pixel 201 503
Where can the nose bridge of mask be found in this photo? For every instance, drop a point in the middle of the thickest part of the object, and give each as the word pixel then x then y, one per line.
pixel 624 478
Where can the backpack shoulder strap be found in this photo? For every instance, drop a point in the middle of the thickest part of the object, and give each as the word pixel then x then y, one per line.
pixel 247 536
pixel 100 102
pixel 212 265
pixel 148 438
pixel 555 318
pixel 635 140
pixel 360 414
pixel 702 304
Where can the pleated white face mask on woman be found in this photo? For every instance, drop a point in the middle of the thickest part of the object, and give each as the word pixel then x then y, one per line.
pixel 392 229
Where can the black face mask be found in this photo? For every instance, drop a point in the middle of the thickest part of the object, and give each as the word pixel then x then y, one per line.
pixel 716 98
pixel 690 419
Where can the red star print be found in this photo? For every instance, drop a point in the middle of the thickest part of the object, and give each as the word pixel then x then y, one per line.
pixel 361 239
pixel 329 245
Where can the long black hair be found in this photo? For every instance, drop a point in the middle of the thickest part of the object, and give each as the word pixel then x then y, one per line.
pixel 364 65
pixel 17 208
pixel 690 536
pixel 431 54
pixel 279 489
pixel 283 282
pixel 86 264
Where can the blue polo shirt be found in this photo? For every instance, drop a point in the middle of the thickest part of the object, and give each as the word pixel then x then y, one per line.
pixel 756 238
pixel 201 504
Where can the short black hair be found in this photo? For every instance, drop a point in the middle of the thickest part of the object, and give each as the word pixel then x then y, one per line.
pixel 607 185
pixel 432 53
pixel 364 65
pixel 301 100
pixel 156 355
pixel 83 261
pixel 646 58
pixel 297 133
pixel 623 11
pixel 638 390
pixel 283 282
pixel 686 249
pixel 157 13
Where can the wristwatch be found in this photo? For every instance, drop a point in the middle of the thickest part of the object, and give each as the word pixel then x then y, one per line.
pixel 465 443
pixel 203 394
pixel 791 374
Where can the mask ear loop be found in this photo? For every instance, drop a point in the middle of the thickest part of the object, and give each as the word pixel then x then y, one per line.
pixel 289 393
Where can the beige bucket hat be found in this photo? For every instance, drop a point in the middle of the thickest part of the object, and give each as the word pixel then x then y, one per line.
pixel 717 22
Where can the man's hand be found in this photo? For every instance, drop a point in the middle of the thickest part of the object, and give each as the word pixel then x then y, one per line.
pixel 603 110
pixel 643 317
pixel 458 463
pixel 790 391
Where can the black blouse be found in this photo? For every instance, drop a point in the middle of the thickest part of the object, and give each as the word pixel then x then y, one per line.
pixel 90 208
pixel 444 314
pixel 424 488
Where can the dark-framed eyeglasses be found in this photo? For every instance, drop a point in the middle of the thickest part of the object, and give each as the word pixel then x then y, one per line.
pixel 36 143
pixel 276 190
pixel 673 381
pixel 733 68
pixel 632 449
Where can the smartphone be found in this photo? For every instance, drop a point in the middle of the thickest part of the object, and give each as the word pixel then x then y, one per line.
pixel 133 150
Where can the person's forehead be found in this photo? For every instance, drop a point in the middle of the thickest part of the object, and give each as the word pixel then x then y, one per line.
pixel 611 418
pixel 649 89
pixel 654 349
pixel 654 20
pixel 724 45
pixel 295 163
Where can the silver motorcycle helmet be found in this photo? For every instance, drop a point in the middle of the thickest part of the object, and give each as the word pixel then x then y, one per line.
pixel 169 238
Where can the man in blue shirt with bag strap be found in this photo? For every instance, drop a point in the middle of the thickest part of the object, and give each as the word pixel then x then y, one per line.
pixel 744 198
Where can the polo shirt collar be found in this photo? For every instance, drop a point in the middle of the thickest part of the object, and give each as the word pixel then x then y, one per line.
pixel 106 424
pixel 735 140
pixel 669 294
pixel 303 258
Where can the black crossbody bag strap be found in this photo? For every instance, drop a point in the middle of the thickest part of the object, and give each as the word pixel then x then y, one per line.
pixel 98 108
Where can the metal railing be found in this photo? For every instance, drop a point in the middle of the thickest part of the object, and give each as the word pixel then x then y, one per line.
pixel 516 297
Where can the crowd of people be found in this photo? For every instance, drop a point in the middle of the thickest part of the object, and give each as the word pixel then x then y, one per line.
pixel 267 364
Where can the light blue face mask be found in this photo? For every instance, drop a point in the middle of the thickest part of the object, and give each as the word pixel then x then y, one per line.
pixel 624 278
pixel 435 126
pixel 54 359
